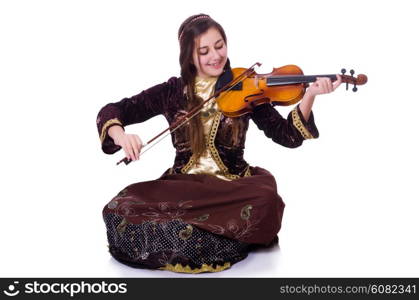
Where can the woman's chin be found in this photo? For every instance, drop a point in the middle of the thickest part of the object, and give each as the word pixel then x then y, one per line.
pixel 214 72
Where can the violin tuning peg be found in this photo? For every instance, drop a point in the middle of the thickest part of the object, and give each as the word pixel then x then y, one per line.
pixel 346 86
pixel 354 88
pixel 352 72
pixel 343 71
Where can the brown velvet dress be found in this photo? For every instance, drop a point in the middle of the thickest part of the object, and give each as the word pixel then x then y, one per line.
pixel 201 215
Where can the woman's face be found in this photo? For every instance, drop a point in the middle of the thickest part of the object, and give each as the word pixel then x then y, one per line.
pixel 210 54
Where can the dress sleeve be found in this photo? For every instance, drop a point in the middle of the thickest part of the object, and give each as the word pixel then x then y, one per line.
pixel 289 132
pixel 137 109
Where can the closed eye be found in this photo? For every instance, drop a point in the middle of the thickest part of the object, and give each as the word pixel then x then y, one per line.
pixel 218 45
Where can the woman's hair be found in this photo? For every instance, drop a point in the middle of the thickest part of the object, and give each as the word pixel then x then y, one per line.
pixel 191 28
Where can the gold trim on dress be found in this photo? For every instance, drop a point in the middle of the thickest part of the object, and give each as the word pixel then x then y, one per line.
pixel 299 125
pixel 214 152
pixel 247 173
pixel 188 165
pixel 108 124
pixel 204 268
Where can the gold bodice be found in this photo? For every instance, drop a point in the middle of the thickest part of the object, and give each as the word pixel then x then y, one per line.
pixel 205 164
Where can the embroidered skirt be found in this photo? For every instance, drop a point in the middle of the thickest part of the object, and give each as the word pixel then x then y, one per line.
pixel 193 222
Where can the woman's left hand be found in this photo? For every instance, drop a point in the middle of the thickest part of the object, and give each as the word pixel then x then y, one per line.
pixel 323 85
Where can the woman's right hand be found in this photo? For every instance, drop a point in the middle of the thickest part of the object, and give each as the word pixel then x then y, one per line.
pixel 131 143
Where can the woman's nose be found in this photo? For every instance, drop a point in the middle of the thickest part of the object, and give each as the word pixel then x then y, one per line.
pixel 215 54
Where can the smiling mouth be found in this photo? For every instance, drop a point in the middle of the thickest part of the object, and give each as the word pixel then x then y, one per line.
pixel 216 65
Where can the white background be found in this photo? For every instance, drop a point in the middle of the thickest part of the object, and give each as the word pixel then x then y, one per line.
pixel 351 195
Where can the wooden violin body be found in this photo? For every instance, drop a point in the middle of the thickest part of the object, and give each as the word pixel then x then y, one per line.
pixel 283 86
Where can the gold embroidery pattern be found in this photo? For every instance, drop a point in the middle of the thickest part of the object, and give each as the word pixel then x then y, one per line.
pixel 245 212
pixel 204 268
pixel 186 233
pixel 122 226
pixel 105 127
pixel 247 173
pixel 202 218
pixel 299 125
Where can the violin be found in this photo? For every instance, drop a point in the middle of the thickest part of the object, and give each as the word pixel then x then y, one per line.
pixel 283 86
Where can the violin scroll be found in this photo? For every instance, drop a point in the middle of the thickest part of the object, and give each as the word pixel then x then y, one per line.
pixel 359 80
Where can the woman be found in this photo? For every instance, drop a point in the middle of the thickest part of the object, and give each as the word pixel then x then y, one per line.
pixel 209 209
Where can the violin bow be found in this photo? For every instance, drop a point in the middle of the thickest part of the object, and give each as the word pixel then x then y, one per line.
pixel 193 112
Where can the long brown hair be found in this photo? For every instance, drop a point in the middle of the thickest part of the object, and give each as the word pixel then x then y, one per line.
pixel 191 28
